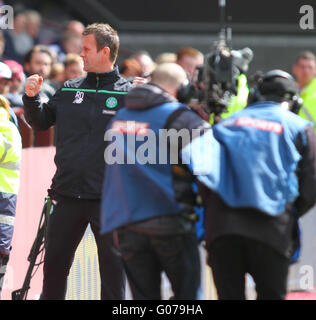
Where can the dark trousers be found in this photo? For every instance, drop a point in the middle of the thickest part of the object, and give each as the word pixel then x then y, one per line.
pixel 66 227
pixel 231 257
pixel 145 257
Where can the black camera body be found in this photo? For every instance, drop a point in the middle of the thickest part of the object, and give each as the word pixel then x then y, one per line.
pixel 220 78
pixel 215 82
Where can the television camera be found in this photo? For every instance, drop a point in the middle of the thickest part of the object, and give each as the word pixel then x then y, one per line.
pixel 215 82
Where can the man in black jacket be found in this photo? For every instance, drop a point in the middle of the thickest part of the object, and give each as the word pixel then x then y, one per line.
pixel 80 111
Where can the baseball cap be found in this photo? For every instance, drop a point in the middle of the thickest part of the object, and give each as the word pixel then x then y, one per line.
pixel 16 68
pixel 5 71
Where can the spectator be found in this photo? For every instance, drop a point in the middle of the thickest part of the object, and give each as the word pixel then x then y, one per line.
pixel 146 62
pixel 57 75
pixel 2 45
pixel 39 60
pixel 17 41
pixel 75 27
pixel 5 77
pixel 189 58
pixel 73 67
pixel 70 43
pixel 33 25
pixel 305 72
pixel 130 68
pixel 166 57
pixel 16 84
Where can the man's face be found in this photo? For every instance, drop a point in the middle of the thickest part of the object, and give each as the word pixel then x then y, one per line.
pixel 93 60
pixel 73 45
pixel 74 70
pixel 304 71
pixel 15 85
pixel 189 64
pixel 40 64
pixel 146 63
pixel 4 86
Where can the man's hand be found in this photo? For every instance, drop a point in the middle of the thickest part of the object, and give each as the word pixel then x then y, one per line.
pixel 33 85
pixel 139 80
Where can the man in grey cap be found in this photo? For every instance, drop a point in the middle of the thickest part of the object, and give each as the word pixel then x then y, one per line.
pixel 5 78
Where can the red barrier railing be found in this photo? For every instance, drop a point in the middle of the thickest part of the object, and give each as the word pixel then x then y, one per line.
pixel 31 138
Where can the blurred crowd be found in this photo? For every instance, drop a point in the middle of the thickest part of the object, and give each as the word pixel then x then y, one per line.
pixel 24 51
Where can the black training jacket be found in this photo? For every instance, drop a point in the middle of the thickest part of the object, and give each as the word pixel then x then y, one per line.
pixel 80 111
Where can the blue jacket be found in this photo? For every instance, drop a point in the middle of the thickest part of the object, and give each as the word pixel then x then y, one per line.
pixel 254 158
pixel 132 191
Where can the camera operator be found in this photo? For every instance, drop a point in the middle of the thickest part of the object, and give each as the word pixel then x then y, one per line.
pixel 153 220
pixel 265 180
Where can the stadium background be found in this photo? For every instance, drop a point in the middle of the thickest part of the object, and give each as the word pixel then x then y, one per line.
pixel 271 31
pixel 270 28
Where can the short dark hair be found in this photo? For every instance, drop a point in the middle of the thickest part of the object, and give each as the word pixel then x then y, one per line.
pixel 306 55
pixel 72 58
pixel 105 36
pixel 42 49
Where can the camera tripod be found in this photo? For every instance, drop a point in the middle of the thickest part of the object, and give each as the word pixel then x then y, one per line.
pixel 37 248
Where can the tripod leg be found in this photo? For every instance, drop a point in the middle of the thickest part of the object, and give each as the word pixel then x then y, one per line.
pixel 4 259
pixel 21 294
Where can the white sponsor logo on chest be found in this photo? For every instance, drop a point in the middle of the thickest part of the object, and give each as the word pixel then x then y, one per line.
pixel 79 97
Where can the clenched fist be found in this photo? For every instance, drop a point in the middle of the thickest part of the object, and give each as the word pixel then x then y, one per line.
pixel 33 85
